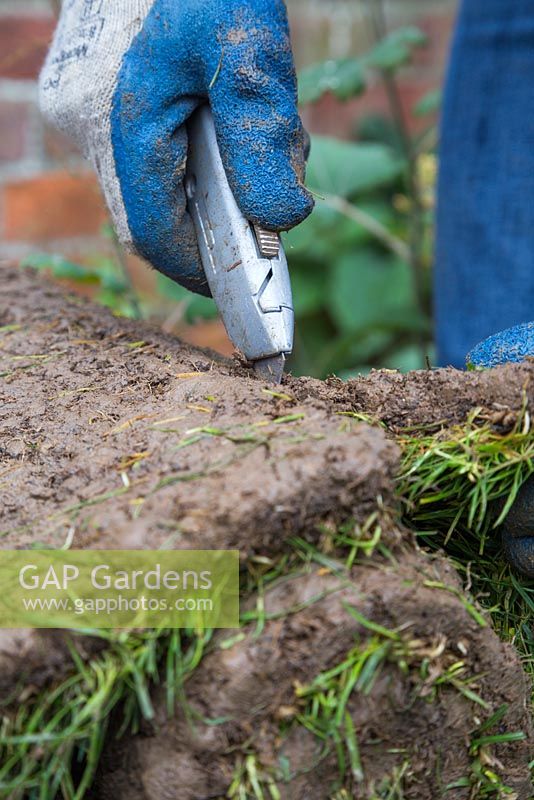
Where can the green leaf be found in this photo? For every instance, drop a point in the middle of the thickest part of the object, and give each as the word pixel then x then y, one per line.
pixel 430 103
pixel 314 239
pixel 61 268
pixel 405 359
pixel 312 331
pixel 113 282
pixel 356 348
pixel 396 48
pixel 327 233
pixel 381 129
pixel 195 306
pixel 346 168
pixel 370 289
pixel 120 305
pixel 199 308
pixel 171 290
pixel 345 78
pixel 308 289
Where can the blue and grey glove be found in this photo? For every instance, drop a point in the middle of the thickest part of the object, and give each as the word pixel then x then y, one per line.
pixel 122 78
pixel 506 347
pixel 513 346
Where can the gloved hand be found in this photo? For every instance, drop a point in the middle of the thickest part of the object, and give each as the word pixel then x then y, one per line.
pixel 122 78
pixel 512 346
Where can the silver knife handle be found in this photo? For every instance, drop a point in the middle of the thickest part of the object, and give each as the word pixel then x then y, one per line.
pixel 245 265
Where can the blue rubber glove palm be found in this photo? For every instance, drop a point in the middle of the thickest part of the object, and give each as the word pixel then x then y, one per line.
pixel 123 78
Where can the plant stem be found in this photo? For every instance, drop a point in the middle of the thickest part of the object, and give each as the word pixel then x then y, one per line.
pixel 367 221
pixel 125 271
pixel 417 221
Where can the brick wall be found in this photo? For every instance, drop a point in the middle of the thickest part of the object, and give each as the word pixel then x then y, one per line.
pixel 49 201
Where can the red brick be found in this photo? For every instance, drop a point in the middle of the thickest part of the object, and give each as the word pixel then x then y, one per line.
pixel 13 127
pixel 24 43
pixel 144 278
pixel 58 146
pixel 210 334
pixel 411 89
pixel 438 28
pixel 53 206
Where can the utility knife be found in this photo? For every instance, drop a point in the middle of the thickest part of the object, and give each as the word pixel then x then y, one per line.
pixel 245 265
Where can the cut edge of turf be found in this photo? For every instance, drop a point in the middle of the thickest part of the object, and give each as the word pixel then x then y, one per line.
pixel 455 486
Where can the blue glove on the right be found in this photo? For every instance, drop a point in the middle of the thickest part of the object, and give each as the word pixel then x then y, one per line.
pixel 123 78
pixel 512 346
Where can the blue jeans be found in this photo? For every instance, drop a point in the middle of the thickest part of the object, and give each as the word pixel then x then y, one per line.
pixel 484 276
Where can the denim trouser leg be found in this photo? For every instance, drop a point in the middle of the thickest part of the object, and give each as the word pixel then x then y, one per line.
pixel 484 279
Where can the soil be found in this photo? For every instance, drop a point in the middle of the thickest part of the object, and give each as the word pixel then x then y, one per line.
pixel 190 447
pixel 116 435
pixel 252 685
pixel 427 398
